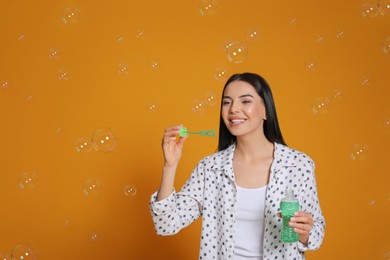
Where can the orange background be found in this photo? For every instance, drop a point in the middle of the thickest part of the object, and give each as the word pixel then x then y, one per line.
pixel 43 116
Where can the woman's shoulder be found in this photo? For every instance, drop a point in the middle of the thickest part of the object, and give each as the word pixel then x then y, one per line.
pixel 219 156
pixel 292 153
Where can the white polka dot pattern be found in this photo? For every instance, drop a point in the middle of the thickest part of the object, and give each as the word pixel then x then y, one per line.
pixel 210 192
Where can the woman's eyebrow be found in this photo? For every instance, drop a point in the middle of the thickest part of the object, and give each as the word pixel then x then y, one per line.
pixel 242 96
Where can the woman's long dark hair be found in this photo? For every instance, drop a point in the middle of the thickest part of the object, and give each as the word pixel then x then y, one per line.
pixel 271 125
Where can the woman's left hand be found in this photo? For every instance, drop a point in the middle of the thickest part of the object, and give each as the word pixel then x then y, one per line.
pixel 302 222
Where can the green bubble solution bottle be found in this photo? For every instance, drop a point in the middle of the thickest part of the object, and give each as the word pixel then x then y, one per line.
pixel 288 206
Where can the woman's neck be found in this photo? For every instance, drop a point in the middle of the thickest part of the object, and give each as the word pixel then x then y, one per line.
pixel 252 148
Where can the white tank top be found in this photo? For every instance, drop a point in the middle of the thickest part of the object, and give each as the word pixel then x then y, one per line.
pixel 249 223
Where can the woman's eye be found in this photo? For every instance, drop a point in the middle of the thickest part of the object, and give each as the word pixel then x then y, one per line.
pixel 225 102
pixel 246 101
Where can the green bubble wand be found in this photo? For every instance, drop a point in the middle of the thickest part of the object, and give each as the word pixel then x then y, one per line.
pixel 183 132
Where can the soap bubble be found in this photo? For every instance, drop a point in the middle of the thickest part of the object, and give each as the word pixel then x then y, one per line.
pixel 320 105
pixel 104 139
pixel 63 74
pixel 293 21
pixel 320 38
pixel 386 255
pixel 130 190
pixel 28 180
pixel 94 236
pixel 386 122
pixel 221 74
pixel 341 34
pixel 83 145
pixel 140 34
pixel 252 34
pixel 369 9
pixel 210 98
pixel 366 81
pixel 198 106
pixel 123 69
pixel 23 252
pixel 154 64
pixel 21 37
pixel 4 84
pixel 310 65
pixel 386 45
pixel 92 187
pixel 152 107
pixel 337 94
pixel 371 202
pixel 207 7
pixel 236 51
pixel 5 256
pixel 384 7
pixel 70 15
pixel 54 54
pixel 358 152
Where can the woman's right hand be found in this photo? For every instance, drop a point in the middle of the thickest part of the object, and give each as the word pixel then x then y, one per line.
pixel 172 148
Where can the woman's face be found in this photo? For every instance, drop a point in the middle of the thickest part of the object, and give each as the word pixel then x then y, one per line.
pixel 243 110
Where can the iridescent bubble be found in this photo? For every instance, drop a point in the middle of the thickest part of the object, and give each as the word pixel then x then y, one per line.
pixel 198 106
pixel 384 7
pixel 63 74
pixel 29 98
pixel 104 139
pixel 320 39
pixel 4 84
pixel 386 122
pixel 337 94
pixel 252 34
pixel 386 255
pixel 386 45
pixel 310 65
pixel 371 202
pixel 366 81
pixel 140 34
pixel 120 39
pixel 341 34
pixel 210 98
pixel 94 236
pixel 321 105
pixel 54 54
pixel 92 187
pixel 67 223
pixel 154 64
pixel 28 180
pixel 236 52
pixel 221 74
pixel 293 21
pixel 70 15
pixel 152 107
pixel 21 37
pixel 369 9
pixel 5 256
pixel 123 69
pixel 130 190
pixel 207 7
pixel 83 145
pixel 358 152
pixel 23 252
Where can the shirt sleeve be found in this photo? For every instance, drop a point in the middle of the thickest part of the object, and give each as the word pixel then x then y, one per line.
pixel 311 204
pixel 181 208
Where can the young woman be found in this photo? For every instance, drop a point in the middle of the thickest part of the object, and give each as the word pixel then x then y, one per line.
pixel 238 190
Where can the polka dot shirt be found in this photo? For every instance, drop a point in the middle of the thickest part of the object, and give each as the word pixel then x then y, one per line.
pixel 210 192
